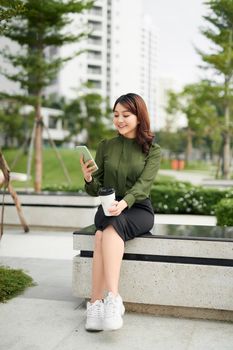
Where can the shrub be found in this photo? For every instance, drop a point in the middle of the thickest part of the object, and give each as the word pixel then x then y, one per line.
pixel 186 199
pixel 13 282
pixel 224 212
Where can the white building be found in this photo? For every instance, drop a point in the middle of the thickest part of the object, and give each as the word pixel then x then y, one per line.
pixel 121 54
pixel 149 69
pixel 91 65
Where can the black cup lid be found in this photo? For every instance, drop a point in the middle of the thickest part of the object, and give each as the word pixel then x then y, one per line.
pixel 105 191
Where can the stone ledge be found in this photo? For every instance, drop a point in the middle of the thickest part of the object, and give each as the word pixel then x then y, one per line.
pixel 160 246
pixel 167 284
pixel 180 312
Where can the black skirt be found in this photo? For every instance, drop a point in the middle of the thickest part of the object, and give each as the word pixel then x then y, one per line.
pixel 133 222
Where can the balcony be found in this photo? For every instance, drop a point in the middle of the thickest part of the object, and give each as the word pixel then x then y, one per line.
pixel 95 70
pixel 95 26
pixel 94 40
pixel 94 55
pixel 96 11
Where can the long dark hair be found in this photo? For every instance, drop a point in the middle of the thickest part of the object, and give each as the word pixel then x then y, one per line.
pixel 136 105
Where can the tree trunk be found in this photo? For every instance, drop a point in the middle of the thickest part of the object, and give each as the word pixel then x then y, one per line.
pixel 38 145
pixel 226 156
pixel 189 148
pixel 226 145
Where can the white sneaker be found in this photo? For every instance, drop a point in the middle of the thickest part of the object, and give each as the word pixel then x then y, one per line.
pixel 95 315
pixel 113 312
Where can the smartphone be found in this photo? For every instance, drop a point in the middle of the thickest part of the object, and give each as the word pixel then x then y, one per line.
pixel 83 150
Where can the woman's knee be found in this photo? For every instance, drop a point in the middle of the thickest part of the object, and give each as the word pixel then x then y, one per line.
pixel 98 240
pixel 109 230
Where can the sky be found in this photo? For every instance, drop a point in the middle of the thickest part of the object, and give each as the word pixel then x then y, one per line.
pixel 178 25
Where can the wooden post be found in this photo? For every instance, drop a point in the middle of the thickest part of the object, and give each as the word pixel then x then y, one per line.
pixel 38 146
pixel 5 183
pixel 18 207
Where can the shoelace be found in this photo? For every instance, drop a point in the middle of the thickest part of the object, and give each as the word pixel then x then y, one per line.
pixel 95 310
pixel 110 307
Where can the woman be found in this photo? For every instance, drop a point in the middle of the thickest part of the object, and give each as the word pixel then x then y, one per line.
pixel 128 163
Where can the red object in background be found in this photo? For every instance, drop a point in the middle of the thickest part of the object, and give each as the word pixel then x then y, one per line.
pixel 177 164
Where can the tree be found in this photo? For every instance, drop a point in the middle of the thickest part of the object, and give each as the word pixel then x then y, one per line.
pixel 14 126
pixel 173 142
pixel 220 32
pixel 9 10
pixel 39 27
pixel 202 105
pixel 88 113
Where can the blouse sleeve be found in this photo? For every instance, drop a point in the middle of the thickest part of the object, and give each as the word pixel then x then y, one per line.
pixel 92 188
pixel 142 187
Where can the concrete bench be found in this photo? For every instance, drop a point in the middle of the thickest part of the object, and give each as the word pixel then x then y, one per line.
pixel 175 270
pixel 49 209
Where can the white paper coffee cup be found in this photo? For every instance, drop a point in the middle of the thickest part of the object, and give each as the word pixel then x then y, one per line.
pixel 107 198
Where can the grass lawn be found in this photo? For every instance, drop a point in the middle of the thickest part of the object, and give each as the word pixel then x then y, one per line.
pixel 13 282
pixel 52 170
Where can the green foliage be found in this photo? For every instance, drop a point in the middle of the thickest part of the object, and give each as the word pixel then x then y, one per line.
pixel 13 282
pixel 14 126
pixel 208 104
pixel 201 103
pixel 183 198
pixel 219 31
pixel 219 60
pixel 9 10
pixel 173 141
pixel 88 113
pixel 224 212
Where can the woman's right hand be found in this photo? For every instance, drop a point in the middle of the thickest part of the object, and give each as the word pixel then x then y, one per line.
pixel 87 169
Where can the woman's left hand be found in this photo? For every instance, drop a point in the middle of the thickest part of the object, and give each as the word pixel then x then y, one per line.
pixel 117 207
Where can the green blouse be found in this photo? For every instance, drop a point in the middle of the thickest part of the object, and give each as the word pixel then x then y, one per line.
pixel 123 166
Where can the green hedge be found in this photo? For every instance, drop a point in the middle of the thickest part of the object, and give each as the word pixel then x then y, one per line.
pixel 224 212
pixel 174 197
pixel 186 199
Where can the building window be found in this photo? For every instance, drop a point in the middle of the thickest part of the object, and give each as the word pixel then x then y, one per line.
pixel 94 25
pixel 91 69
pixel 96 11
pixel 94 40
pixel 96 55
pixel 95 84
pixel 52 122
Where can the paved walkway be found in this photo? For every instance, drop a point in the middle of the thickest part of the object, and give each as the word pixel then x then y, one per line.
pixel 202 178
pixel 48 317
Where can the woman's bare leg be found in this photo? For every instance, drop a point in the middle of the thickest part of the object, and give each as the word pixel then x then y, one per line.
pixel 112 253
pixel 98 283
